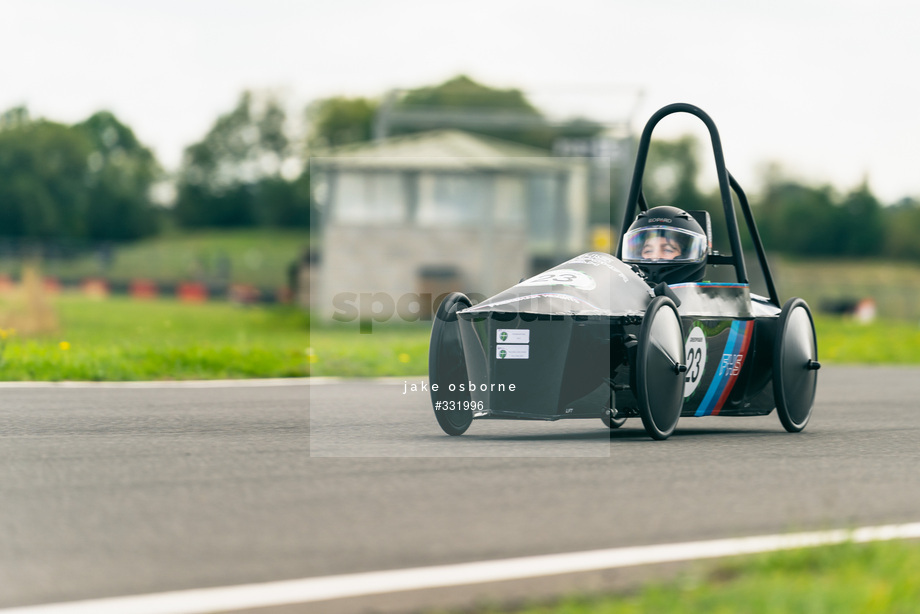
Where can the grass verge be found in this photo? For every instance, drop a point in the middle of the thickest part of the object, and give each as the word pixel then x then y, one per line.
pixel 120 339
pixel 402 349
pixel 843 340
pixel 882 577
pixel 392 350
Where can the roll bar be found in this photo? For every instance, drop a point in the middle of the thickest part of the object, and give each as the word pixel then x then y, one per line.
pixel 727 184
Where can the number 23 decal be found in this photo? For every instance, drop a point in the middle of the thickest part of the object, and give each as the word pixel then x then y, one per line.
pixel 695 360
pixel 562 277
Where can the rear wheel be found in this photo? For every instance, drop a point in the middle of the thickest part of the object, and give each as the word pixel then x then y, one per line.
pixel 447 367
pixel 659 371
pixel 795 365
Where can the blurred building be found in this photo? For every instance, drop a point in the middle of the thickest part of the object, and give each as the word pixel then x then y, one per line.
pixel 440 211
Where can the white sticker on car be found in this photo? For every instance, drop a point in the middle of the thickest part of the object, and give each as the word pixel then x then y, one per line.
pixel 509 352
pixel 513 335
pixel 695 360
pixel 562 277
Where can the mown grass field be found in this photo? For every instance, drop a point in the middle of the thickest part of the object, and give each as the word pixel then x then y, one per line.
pixel 402 349
pixel 843 340
pixel 878 578
pixel 252 256
pixel 122 339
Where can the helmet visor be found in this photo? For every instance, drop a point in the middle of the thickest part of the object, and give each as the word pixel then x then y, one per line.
pixel 664 243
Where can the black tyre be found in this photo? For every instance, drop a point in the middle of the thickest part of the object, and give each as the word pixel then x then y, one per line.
pixel 446 366
pixel 659 370
pixel 795 365
pixel 607 416
pixel 612 423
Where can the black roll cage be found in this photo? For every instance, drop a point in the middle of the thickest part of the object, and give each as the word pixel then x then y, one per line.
pixel 727 184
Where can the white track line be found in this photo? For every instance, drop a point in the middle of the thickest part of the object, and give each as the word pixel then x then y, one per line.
pixel 290 592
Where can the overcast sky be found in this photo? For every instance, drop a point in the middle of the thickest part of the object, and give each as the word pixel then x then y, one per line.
pixel 829 89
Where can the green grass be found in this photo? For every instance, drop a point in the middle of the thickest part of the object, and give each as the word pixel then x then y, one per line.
pixel 342 350
pixel 842 340
pixel 391 350
pixel 120 339
pixel 882 578
pixel 256 256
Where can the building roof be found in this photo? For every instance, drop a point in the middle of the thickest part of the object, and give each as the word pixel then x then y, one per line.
pixel 441 150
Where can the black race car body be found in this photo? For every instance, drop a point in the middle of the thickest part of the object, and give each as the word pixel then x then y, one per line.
pixel 564 335
pixel 593 338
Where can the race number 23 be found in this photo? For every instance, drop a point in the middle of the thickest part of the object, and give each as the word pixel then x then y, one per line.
pixel 695 360
pixel 562 277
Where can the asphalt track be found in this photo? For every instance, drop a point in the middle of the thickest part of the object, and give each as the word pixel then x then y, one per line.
pixel 121 491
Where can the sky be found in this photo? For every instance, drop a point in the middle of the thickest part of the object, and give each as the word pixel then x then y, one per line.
pixel 828 89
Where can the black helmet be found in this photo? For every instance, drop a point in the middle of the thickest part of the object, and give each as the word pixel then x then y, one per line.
pixel 668 245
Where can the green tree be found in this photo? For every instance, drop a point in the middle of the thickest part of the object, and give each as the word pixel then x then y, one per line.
pixel 862 222
pixel 88 181
pixel 902 229
pixel 43 195
pixel 800 219
pixel 220 182
pixel 121 172
pixel 341 121
pixel 463 103
pixel 459 102
pixel 461 92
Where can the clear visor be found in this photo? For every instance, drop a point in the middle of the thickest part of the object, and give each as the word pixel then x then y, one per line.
pixel 661 243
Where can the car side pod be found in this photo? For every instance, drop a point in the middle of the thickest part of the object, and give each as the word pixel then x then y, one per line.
pixel 660 373
pixel 795 365
pixel 447 368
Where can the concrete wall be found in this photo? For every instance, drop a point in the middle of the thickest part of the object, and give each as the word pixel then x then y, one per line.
pixel 369 259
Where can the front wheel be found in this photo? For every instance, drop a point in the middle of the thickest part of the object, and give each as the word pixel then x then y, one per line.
pixel 659 370
pixel 447 366
pixel 795 365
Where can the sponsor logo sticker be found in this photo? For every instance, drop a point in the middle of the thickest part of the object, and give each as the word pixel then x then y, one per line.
pixel 509 352
pixel 513 335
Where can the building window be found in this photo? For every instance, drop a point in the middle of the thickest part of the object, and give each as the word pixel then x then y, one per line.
pixel 369 198
pixel 453 199
pixel 542 201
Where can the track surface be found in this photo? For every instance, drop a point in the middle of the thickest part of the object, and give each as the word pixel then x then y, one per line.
pixel 109 492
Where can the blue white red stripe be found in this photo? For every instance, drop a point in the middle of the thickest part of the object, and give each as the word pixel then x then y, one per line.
pixel 729 368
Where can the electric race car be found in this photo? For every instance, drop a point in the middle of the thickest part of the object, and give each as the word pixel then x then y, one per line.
pixel 636 334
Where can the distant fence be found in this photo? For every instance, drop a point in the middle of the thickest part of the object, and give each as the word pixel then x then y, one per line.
pixel 146 289
pixel 190 274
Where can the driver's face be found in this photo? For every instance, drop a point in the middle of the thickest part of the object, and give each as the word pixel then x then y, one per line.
pixel 660 248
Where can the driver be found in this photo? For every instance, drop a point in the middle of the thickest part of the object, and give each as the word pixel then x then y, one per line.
pixel 661 248
pixel 667 245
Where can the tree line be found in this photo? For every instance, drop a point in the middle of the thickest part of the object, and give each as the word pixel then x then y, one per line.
pixel 94 180
pixel 793 217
